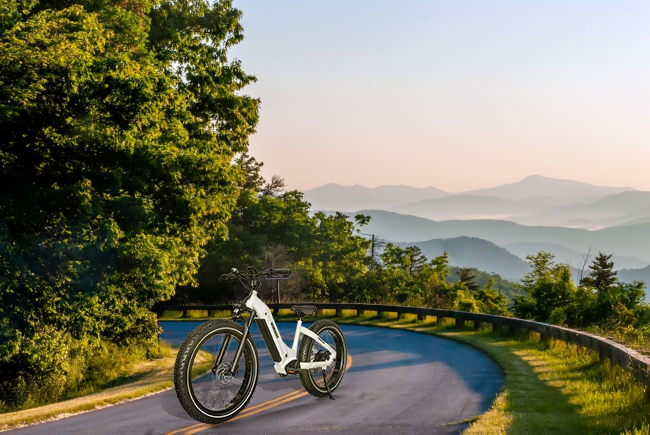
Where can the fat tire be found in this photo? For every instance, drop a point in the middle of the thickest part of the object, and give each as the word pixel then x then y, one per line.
pixel 184 356
pixel 304 355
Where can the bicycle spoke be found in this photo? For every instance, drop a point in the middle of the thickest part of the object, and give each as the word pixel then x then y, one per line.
pixel 330 370
pixel 214 387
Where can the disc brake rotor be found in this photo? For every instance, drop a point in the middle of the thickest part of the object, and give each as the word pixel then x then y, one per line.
pixel 224 376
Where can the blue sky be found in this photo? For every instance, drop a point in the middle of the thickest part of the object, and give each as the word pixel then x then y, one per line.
pixel 458 94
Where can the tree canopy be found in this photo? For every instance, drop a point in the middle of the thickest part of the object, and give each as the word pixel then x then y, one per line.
pixel 120 122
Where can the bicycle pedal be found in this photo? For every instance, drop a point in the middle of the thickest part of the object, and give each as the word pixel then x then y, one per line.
pixel 292 367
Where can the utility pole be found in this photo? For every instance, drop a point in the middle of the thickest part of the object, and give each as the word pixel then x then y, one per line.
pixel 372 254
pixel 278 289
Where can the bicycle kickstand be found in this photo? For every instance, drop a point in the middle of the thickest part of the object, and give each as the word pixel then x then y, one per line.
pixel 327 386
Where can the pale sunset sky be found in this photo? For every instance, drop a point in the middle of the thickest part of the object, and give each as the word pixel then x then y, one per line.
pixel 457 94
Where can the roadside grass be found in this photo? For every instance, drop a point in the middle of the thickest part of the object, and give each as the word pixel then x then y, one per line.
pixel 134 381
pixel 550 387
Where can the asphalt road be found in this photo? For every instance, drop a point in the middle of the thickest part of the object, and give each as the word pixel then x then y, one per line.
pixel 399 382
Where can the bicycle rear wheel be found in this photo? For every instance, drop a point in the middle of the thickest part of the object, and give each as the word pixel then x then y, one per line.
pixel 204 386
pixel 312 380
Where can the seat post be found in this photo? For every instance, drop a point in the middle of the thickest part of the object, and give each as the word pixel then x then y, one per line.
pixel 296 338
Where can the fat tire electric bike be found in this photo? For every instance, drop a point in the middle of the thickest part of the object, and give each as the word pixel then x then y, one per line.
pixel 217 365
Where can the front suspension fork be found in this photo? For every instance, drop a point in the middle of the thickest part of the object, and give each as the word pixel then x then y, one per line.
pixel 234 369
pixel 222 352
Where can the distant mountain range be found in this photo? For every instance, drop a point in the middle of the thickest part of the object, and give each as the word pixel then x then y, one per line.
pixel 348 198
pixel 535 200
pixel 494 229
pixel 474 252
pixel 465 207
pixel 612 210
pixel 538 186
pixel 629 275
pixel 628 241
pixel 566 255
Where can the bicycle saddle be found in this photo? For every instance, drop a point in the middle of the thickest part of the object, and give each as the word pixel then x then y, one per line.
pixel 305 310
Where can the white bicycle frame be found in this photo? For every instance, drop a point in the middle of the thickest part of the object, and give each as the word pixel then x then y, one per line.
pixel 280 352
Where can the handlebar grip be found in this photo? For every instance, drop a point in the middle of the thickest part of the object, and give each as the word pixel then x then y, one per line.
pixel 227 276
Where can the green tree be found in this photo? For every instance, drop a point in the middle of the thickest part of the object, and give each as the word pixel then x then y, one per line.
pixel 264 216
pixel 396 272
pixel 395 257
pixel 616 304
pixel 503 286
pixel 491 301
pixel 335 256
pixel 465 301
pixel 417 260
pixel 120 121
pixel 468 279
pixel 602 275
pixel 547 287
pixel 435 289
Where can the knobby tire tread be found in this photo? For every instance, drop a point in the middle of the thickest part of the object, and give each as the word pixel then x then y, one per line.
pixel 304 356
pixel 182 359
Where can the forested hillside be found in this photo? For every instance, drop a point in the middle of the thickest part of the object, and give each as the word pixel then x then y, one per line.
pixel 631 241
pixel 477 253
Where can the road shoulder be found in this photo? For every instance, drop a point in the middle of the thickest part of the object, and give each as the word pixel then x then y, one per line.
pixel 153 376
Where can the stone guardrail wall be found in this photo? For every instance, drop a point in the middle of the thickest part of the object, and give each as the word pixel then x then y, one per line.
pixel 628 359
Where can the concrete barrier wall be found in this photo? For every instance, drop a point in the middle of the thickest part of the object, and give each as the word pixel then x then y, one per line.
pixel 627 358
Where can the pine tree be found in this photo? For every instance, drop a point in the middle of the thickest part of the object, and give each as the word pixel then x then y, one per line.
pixel 468 278
pixel 602 275
pixel 418 260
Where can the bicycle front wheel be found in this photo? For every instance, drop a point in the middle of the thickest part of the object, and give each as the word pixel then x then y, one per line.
pixel 202 375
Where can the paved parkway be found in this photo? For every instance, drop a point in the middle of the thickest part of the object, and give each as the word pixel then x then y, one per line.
pixel 399 382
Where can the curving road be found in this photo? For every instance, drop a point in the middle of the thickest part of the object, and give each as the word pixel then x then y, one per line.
pixel 400 382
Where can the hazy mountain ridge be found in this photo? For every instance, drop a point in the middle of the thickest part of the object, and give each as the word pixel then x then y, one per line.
pixel 334 196
pixel 475 252
pixel 630 241
pixel 465 207
pixel 535 200
pixel 613 209
pixel 570 256
pixel 537 185
pixel 629 275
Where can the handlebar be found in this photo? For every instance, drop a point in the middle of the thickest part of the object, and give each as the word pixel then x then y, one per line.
pixel 252 274
pixel 227 277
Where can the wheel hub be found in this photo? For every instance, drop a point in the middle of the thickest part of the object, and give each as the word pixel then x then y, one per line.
pixel 224 374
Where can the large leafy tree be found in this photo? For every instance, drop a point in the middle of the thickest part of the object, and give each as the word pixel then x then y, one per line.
pixel 119 124
pixel 547 287
pixel 265 218
pixel 336 256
